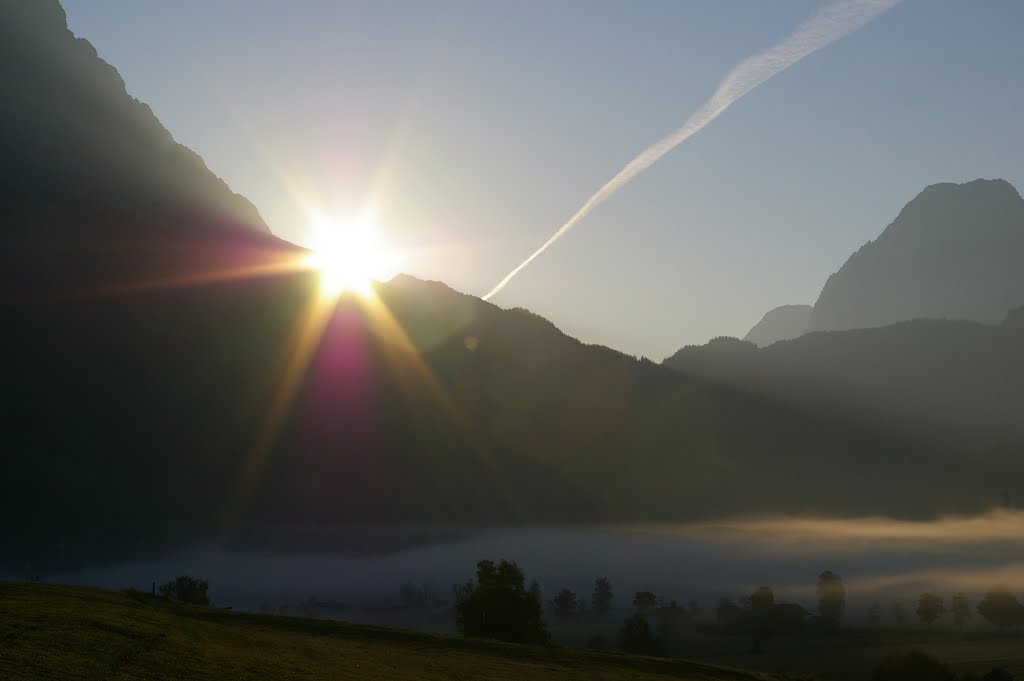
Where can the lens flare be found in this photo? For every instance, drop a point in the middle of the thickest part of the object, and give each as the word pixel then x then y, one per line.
pixel 350 256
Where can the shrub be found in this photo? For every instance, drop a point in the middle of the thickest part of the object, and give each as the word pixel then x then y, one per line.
pixel 187 589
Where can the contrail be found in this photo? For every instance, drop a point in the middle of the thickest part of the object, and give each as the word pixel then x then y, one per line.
pixel 827 25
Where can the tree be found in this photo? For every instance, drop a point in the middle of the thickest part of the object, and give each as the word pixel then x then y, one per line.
pixel 762 599
pixel 535 591
pixel 831 598
pixel 874 614
pixel 602 596
pixel 899 614
pixel 961 610
pixel 762 603
pixel 564 604
pixel 930 608
pixel 636 637
pixel 1001 608
pixel 498 605
pixel 645 601
pixel 187 590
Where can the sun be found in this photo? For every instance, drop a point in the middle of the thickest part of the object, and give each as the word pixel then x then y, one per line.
pixel 349 255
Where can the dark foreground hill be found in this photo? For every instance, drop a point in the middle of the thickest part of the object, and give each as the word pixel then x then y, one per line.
pixel 57 632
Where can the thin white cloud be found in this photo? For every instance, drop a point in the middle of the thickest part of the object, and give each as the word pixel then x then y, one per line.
pixel 827 25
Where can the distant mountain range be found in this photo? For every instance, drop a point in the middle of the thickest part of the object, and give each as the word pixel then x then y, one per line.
pixel 922 327
pixel 954 252
pixel 948 385
pixel 148 402
pixel 781 323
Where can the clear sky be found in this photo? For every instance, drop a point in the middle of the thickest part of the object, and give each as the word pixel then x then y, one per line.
pixel 476 128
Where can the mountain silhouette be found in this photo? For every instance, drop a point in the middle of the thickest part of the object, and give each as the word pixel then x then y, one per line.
pixel 83 163
pixel 71 108
pixel 954 252
pixel 923 328
pixel 781 323
pixel 165 381
pixel 952 385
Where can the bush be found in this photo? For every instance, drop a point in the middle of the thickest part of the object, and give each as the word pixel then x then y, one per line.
pixel 186 589
pixel 636 637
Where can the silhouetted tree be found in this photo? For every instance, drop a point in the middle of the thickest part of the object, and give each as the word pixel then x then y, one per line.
pixel 912 666
pixel 694 607
pixel 645 601
pixel 535 591
pixel 762 599
pixel 961 610
pixel 498 605
pixel 899 614
pixel 930 608
pixel 636 637
pixel 874 614
pixel 1001 608
pixel 602 596
pixel 187 590
pixel 831 598
pixel 762 602
pixel 564 604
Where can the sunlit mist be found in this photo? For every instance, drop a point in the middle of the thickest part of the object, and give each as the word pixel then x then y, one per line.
pixel 350 255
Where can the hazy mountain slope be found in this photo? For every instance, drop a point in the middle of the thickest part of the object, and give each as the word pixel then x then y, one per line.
pixel 953 252
pixel 781 323
pixel 950 383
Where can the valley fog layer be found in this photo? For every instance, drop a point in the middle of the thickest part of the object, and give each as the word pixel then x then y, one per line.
pixel 878 559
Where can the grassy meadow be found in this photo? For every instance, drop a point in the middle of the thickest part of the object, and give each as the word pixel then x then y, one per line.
pixel 63 632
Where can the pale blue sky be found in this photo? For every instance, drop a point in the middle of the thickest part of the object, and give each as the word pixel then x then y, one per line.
pixel 479 127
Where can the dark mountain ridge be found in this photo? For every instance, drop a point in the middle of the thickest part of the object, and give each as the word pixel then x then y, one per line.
pixel 83 164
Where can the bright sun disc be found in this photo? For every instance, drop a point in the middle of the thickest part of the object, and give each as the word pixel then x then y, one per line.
pixel 349 257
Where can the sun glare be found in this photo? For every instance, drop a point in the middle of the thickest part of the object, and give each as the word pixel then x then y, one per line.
pixel 349 256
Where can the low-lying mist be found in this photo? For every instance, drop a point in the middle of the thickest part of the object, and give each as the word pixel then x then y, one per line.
pixel 879 559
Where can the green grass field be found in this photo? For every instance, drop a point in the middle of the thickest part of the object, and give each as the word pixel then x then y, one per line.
pixel 63 632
